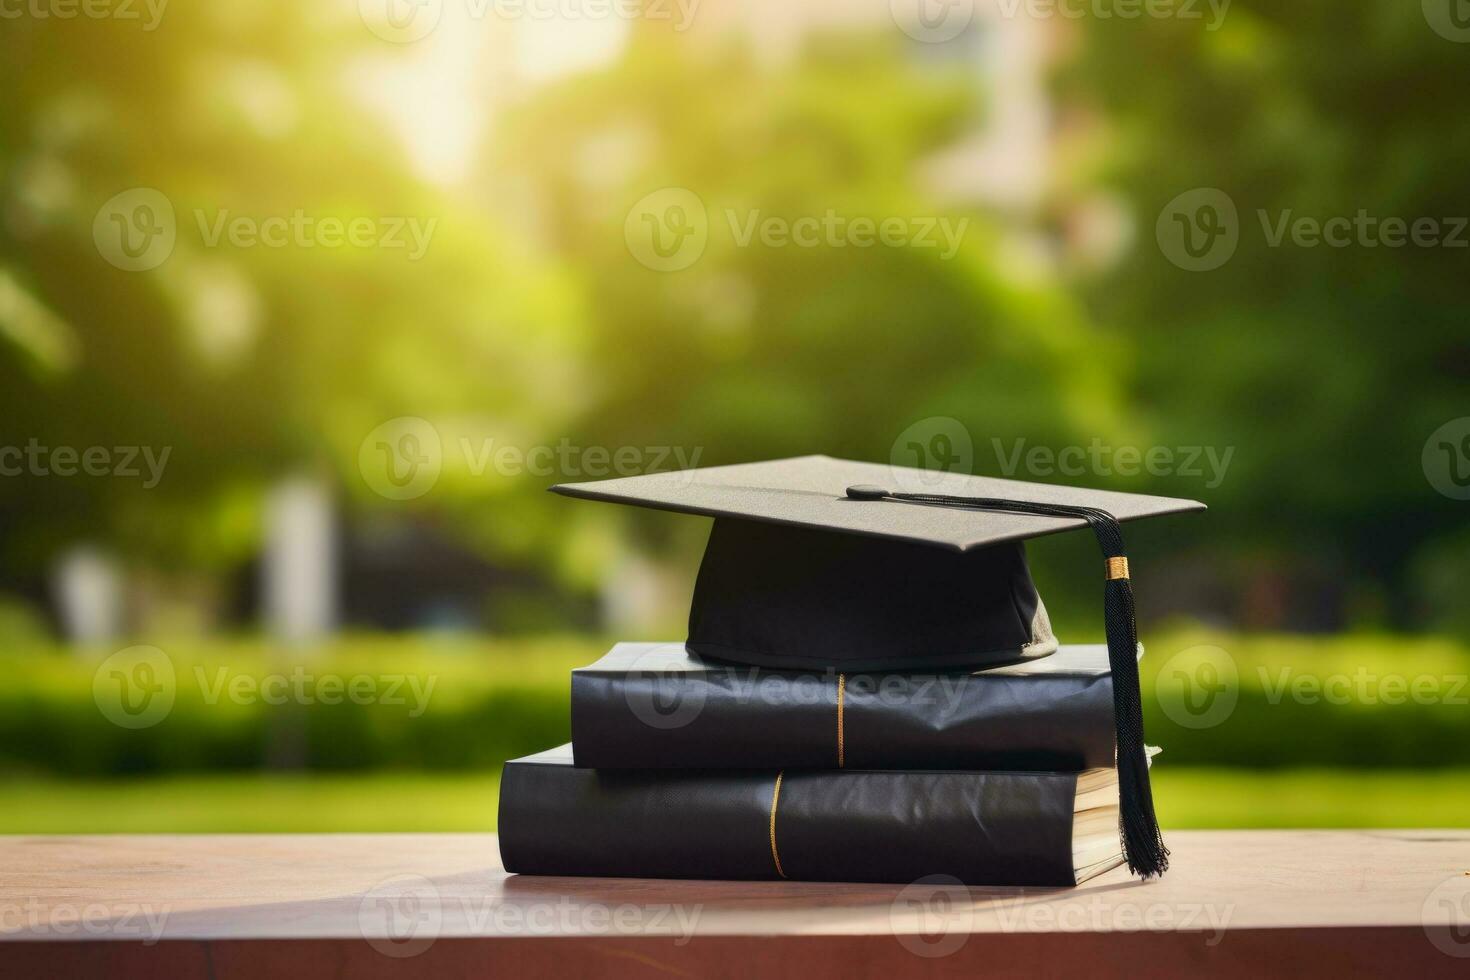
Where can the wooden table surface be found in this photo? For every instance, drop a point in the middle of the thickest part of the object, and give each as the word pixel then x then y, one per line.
pixel 1248 902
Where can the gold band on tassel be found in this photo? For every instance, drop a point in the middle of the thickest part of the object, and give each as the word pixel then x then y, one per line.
pixel 775 797
pixel 1117 568
pixel 841 750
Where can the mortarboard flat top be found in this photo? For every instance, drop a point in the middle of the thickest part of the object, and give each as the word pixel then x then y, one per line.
pixel 811 491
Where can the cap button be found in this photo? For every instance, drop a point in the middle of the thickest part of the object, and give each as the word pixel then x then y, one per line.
pixel 866 491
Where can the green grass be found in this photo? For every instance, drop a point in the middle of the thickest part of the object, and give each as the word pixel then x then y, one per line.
pixel 1206 797
pixel 1186 797
pixel 268 803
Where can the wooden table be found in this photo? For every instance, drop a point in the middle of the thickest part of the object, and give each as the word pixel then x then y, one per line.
pixel 1343 903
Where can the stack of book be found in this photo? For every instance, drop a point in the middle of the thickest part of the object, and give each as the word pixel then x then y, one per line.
pixel 870 691
pixel 685 768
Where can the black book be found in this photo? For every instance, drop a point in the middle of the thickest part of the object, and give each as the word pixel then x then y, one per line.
pixel 657 706
pixel 982 828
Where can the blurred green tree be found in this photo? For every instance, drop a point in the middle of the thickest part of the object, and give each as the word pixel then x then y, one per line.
pixel 1327 367
pixel 757 350
pixel 244 362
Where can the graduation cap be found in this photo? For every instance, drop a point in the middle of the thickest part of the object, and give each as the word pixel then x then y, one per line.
pixel 814 562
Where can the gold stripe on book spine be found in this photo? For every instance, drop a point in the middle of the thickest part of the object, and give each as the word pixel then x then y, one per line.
pixel 775 798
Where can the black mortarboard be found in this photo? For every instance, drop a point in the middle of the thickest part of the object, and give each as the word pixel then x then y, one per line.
pixel 816 562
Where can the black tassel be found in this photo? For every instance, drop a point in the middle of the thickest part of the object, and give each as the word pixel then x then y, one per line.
pixel 1143 842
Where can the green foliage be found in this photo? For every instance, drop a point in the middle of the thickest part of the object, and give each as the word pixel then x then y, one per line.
pixel 246 362
pixel 1328 367
pixel 759 351
pixel 1367 702
pixel 425 703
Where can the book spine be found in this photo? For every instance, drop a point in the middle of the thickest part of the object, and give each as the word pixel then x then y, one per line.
pixel 980 828
pixel 743 717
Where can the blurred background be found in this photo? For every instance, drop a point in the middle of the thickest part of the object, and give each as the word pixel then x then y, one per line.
pixel 303 306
